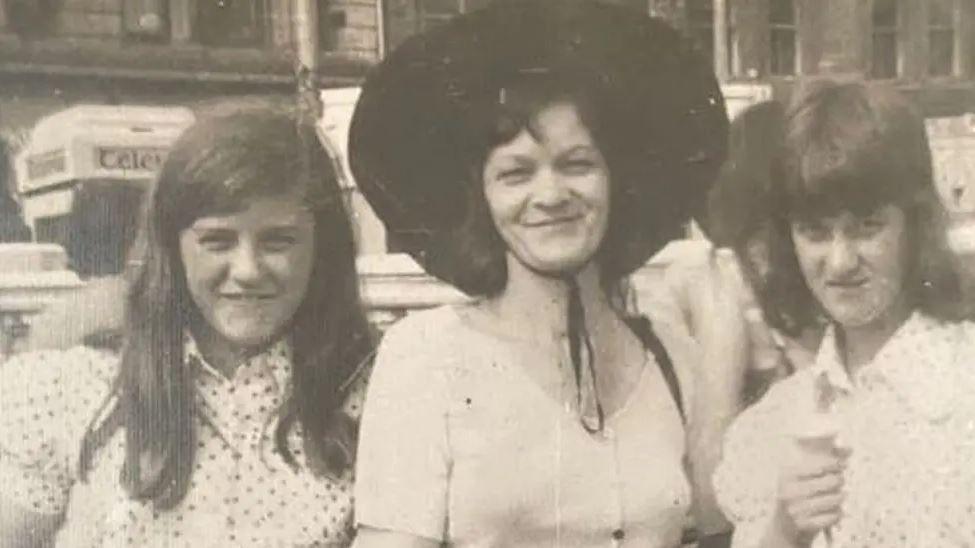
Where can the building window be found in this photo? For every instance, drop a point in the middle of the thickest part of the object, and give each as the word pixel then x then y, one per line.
pixel 783 32
pixel 431 13
pixel 231 23
pixel 941 37
pixel 885 51
pixel 701 31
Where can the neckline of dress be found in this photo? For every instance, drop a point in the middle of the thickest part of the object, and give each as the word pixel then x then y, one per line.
pixel 558 400
pixel 472 322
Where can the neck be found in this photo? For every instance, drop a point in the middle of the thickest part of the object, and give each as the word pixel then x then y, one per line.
pixel 861 344
pixel 220 353
pixel 537 305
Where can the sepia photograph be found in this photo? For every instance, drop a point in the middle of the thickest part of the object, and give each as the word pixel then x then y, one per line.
pixel 487 273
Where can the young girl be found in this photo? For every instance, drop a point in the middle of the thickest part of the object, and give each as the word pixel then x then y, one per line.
pixel 872 444
pixel 230 418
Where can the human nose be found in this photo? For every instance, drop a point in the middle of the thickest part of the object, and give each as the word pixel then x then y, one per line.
pixel 843 256
pixel 550 190
pixel 245 264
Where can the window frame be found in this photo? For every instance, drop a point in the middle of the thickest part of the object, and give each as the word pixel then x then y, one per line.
pixel 952 29
pixel 263 30
pixel 792 27
pixel 695 28
pixel 426 20
pixel 892 31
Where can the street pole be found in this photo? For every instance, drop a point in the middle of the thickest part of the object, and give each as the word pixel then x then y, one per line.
pixel 721 68
pixel 307 46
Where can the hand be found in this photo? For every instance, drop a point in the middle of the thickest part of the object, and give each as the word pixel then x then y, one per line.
pixel 810 491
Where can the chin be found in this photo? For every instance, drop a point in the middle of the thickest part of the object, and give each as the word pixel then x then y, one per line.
pixel 557 266
pixel 855 317
pixel 249 338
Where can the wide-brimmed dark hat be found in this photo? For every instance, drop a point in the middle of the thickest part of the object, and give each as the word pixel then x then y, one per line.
pixel 411 145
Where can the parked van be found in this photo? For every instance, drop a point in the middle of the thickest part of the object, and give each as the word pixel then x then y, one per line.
pixel 82 180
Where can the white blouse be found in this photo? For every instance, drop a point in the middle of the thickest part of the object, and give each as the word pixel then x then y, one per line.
pixel 242 492
pixel 460 444
pixel 908 417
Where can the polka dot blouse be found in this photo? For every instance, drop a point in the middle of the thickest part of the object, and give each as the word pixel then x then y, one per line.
pixel 242 493
pixel 909 419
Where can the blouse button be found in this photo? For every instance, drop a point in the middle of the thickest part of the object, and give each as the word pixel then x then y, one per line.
pixel 618 534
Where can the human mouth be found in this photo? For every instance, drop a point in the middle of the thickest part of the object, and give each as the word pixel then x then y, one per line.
pixel 847 284
pixel 555 221
pixel 247 297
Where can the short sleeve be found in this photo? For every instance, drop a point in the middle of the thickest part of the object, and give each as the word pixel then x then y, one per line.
pixel 47 400
pixel 746 479
pixel 356 397
pixel 403 457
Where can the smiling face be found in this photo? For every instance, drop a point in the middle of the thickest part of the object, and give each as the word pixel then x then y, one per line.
pixel 855 265
pixel 549 197
pixel 248 272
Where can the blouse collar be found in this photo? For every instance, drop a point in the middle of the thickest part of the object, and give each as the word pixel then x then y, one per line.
pixel 251 398
pixel 274 362
pixel 918 363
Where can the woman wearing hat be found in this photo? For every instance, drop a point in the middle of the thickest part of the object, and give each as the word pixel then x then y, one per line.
pixel 518 155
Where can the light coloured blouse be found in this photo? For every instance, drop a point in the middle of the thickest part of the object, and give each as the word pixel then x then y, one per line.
pixel 242 492
pixel 909 418
pixel 459 444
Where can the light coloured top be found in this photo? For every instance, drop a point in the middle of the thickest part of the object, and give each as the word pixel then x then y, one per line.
pixel 242 492
pixel 909 418
pixel 460 444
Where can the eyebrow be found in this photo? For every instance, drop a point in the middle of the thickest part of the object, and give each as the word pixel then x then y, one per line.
pixel 517 156
pixel 580 148
pixel 291 226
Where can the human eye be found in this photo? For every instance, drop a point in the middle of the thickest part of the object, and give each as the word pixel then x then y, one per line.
pixel 514 175
pixel 870 225
pixel 216 240
pixel 578 163
pixel 579 166
pixel 811 230
pixel 279 241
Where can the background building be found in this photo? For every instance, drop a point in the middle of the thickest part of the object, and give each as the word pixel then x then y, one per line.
pixel 56 53
pixel 925 47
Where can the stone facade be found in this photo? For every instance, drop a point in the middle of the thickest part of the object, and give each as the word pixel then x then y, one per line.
pixel 833 37
pixel 54 53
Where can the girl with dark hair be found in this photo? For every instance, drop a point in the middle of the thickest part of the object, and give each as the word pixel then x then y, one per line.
pixel 873 443
pixel 230 418
pixel 534 167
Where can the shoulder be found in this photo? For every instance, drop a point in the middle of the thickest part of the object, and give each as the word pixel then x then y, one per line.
pixel 424 323
pixel 47 402
pixel 432 336
pixel 965 335
pixel 414 351
pixel 74 378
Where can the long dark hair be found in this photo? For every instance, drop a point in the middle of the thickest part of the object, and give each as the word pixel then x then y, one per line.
pixel 856 146
pixel 216 166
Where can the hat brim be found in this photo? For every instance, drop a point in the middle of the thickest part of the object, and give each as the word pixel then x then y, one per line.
pixel 410 148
